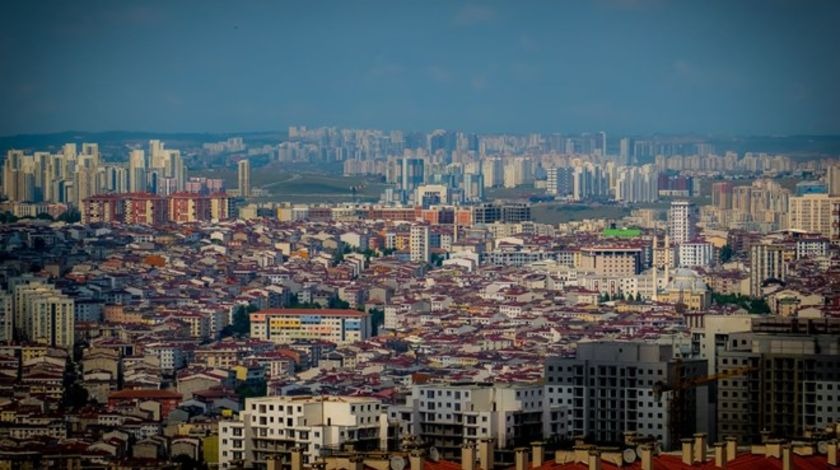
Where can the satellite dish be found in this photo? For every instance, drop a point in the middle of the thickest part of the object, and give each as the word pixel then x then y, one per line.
pixel 629 455
pixel 397 463
pixel 434 455
pixel 822 447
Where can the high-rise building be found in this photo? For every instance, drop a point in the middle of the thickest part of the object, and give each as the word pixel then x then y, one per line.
pixel 447 416
pixel 244 175
pixel 682 221
pixel 637 184
pixel 280 429
pixel 517 171
pixel 722 195
pixel 560 181
pixel 493 171
pixel 589 182
pixel 136 171
pixel 815 213
pixel 767 261
pixel 786 380
pixel 411 173
pixel 43 315
pixel 419 244
pixel 610 388
pixel 832 180
pixel 473 187
pixel 624 151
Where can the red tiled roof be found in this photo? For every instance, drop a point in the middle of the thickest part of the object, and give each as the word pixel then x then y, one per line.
pixel 146 393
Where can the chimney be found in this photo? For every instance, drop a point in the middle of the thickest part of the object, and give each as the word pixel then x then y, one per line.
pixel 357 462
pixel 521 458
pixel 773 448
pixel 273 463
pixel 594 459
pixel 468 456
pixel 731 448
pixel 647 457
pixel 486 453
pixel 537 454
pixel 687 450
pixel 787 457
pixel 700 447
pixel 415 460
pixel 720 454
pixel 832 452
pixel 297 458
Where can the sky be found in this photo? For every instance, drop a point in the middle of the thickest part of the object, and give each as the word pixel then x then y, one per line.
pixel 759 67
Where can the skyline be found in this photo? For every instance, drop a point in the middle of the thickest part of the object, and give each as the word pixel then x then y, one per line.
pixel 639 67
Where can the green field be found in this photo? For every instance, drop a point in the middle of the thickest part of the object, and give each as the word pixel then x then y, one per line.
pixel 285 186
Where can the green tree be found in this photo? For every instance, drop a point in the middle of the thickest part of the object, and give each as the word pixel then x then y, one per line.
pixel 71 216
pixel 725 253
pixel 377 320
pixel 241 325
pixel 335 302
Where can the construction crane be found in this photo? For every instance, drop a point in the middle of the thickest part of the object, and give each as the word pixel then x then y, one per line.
pixel 685 383
pixel 678 414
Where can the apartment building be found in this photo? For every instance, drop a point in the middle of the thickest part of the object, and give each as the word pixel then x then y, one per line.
pixel 610 388
pixel 270 428
pixel 291 324
pixel 446 416
pixel 789 379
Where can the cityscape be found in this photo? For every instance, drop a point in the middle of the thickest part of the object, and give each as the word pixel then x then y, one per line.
pixel 407 295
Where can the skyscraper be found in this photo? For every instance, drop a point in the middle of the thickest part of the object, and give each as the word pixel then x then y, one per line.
pixel 244 174
pixel 682 221
pixel 136 171
pixel 624 150
pixel 832 180
pixel 722 195
pixel 411 173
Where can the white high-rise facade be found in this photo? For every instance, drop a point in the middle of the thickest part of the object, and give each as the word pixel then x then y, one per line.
pixel 419 244
pixel 682 221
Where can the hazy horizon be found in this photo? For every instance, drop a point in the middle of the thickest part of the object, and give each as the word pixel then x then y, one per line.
pixel 624 66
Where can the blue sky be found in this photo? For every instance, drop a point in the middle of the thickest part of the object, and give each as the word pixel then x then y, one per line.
pixel 624 66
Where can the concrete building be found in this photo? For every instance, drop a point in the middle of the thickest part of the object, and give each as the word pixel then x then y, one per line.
pixel 767 261
pixel 448 415
pixel 610 388
pixel 695 254
pixel 815 213
pixel 682 221
pixel 244 177
pixel 560 181
pixel 287 325
pixel 611 261
pixel 43 315
pixel 419 244
pixel 272 428
pixel 791 379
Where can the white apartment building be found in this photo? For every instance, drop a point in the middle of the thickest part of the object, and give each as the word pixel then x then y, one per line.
pixel 270 427
pixel 419 244
pixel 682 221
pixel 694 254
pixel 447 415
